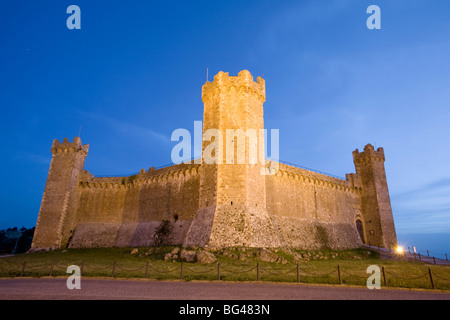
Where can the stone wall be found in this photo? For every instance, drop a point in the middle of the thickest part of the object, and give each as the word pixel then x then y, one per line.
pixel 154 207
pixel 312 210
pixel 220 204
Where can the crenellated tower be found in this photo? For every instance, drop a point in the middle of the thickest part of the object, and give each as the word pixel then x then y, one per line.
pixel 232 188
pixel 233 107
pixel 59 202
pixel 378 224
pixel 227 199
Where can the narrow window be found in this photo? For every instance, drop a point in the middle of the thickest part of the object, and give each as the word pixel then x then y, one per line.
pixel 359 227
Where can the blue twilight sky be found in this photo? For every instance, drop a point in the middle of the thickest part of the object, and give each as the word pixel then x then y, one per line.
pixel 134 73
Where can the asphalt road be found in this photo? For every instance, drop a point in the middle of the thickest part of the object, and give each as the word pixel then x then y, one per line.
pixel 116 289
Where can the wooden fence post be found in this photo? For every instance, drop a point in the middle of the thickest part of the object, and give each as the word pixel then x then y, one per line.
pixel 23 268
pixel 298 273
pixel 257 271
pixel 218 271
pixel 431 278
pixel 181 271
pixel 339 274
pixel 51 269
pixel 114 269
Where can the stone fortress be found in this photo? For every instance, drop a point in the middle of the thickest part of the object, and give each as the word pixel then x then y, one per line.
pixel 220 204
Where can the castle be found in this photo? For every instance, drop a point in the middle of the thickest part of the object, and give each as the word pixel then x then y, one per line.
pixel 216 204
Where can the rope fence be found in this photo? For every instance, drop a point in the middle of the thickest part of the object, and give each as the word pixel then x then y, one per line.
pixel 240 272
pixel 318 274
pixel 280 272
pixel 354 275
pixel 218 272
pixel 406 278
pixel 162 271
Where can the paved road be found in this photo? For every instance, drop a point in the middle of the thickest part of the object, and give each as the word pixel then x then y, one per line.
pixel 105 289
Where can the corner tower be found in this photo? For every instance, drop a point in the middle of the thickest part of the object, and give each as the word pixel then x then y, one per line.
pixel 376 208
pixel 58 206
pixel 232 203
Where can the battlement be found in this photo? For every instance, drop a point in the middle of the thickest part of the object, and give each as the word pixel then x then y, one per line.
pixel 243 83
pixel 299 175
pixel 376 211
pixel 218 205
pixel 164 175
pixel 368 153
pixel 66 146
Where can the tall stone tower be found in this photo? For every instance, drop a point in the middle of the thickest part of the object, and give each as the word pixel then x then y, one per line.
pixel 225 200
pixel 378 224
pixel 232 205
pixel 58 206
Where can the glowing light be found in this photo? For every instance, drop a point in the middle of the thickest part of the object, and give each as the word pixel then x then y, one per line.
pixel 400 250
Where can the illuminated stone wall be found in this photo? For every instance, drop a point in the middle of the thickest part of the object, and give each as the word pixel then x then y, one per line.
pixel 218 204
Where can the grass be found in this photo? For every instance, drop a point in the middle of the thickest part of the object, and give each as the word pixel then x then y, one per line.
pixel 235 265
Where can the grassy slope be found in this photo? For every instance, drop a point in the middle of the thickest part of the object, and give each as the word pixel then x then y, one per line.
pixel 353 265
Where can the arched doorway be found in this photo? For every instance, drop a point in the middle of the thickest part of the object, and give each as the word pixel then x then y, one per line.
pixel 360 228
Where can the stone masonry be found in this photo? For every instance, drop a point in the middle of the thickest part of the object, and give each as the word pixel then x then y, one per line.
pixel 218 204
